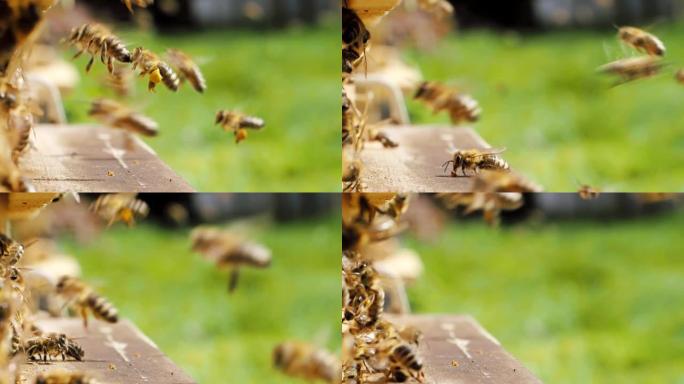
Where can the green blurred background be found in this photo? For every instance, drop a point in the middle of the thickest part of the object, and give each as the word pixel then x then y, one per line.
pixel 181 302
pixel 561 121
pixel 289 77
pixel 576 300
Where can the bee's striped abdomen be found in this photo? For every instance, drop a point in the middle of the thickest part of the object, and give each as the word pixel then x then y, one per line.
pixel 102 308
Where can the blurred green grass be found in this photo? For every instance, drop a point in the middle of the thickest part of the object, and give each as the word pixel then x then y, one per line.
pixel 576 302
pixel 560 120
pixel 289 77
pixel 181 302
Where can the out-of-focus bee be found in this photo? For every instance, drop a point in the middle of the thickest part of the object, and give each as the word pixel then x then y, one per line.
pixel 355 39
pixel 228 250
pixel 386 141
pixel 83 299
pixel 238 123
pixel 65 377
pixel 306 361
pixel 461 107
pixel 642 41
pixel 117 115
pixel 491 204
pixel 679 76
pixel 439 8
pixel 157 71
pixel 187 69
pixel 120 207
pixel 347 118
pixel 405 364
pixel 587 192
pixel 503 181
pixel 656 197
pixel 18 22
pixel 351 176
pixel 96 39
pixel 140 3
pixel 120 81
pixel 52 345
pixel 633 68
pixel 397 206
pixel 475 160
pixel 11 251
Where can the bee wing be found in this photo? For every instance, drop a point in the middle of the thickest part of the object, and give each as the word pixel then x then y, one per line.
pixel 491 151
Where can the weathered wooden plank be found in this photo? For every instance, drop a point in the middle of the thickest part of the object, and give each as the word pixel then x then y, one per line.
pixel 114 353
pixel 83 158
pixel 458 350
pixel 416 164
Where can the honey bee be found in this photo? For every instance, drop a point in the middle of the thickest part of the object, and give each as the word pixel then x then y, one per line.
pixel 461 107
pixel 117 115
pixel 633 68
pixel 351 176
pixel 440 8
pixel 84 299
pixel 347 119
pixel 140 3
pixel 52 345
pixel 405 364
pixel 11 251
pixel 642 41
pixel 238 123
pixel 679 76
pixel 187 69
pixel 64 377
pixel 18 22
pixel 587 192
pixel 306 361
pixel 491 204
pixel 96 39
pixel 228 250
pixel 397 206
pixel 503 181
pixel 355 39
pixel 157 71
pixel 120 207
pixel 375 135
pixel 475 160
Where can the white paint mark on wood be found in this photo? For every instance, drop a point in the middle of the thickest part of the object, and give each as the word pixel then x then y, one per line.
pixel 120 348
pixel 462 344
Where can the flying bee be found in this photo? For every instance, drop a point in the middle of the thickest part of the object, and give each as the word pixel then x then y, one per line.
pixel 405 364
pixel 140 3
pixel 228 250
pixel 679 76
pixel 503 181
pixel 306 361
pixel 476 159
pixel 157 71
pixel 84 299
pixel 238 123
pixel 633 68
pixel 642 41
pixel 461 107
pixel 117 115
pixel 96 39
pixel 355 39
pixel 187 69
pixel 65 377
pixel 120 207
pixel 120 80
pixel 587 192
pixel 52 345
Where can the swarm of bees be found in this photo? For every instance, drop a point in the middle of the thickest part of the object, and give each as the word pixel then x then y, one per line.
pixel 238 123
pixel 228 250
pixel 116 115
pixel 461 107
pixel 123 207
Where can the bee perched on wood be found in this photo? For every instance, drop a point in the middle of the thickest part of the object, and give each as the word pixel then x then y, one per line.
pixel 83 299
pixel 120 207
pixel 140 3
pixel 228 250
pixel 65 377
pixel 306 361
pixel 642 41
pixel 461 107
pixel 238 123
pixel 187 69
pixel 116 115
pixel 633 68
pixel 355 39
pixel 476 159
pixel 157 71
pixel 96 39
pixel 405 364
pixel 52 345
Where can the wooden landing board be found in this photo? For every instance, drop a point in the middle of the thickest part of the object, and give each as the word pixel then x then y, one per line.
pixel 457 350
pixel 80 158
pixel 416 164
pixel 114 354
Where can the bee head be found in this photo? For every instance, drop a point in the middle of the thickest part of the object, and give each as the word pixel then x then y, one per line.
pixel 219 116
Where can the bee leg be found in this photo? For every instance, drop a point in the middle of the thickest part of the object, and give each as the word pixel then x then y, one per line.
pixel 84 316
pixel 233 280
pixel 110 65
pixel 78 54
pixel 90 63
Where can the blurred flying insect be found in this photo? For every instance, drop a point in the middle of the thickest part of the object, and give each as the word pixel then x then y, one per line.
pixel 587 192
pixel 187 69
pixel 227 249
pixel 642 41
pixel 65 377
pixel 120 207
pixel 496 180
pixel 306 361
pixel 116 115
pixel 83 299
pixel 461 107
pixel 52 345
pixel 238 123
pixel 120 81
pixel 475 160
pixel 157 71
pixel 96 39
pixel 140 3
pixel 679 76
pixel 633 68
pixel 490 204
pixel 19 20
